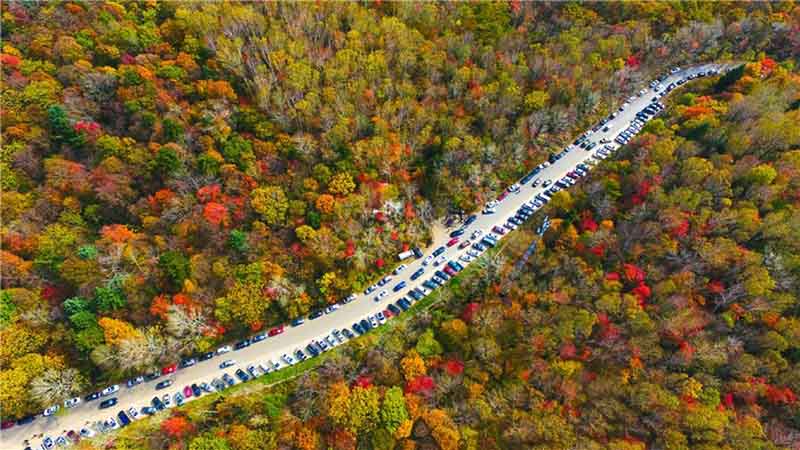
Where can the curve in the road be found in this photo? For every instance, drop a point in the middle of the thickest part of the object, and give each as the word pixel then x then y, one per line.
pixel 515 205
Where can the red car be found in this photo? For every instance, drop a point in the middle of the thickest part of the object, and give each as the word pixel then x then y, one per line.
pixel 452 242
pixel 388 314
pixel 169 369
pixel 7 424
pixel 275 331
pixel 502 196
pixel 187 391
pixel 449 270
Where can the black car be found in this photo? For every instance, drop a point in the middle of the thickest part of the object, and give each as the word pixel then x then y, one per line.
pixel 312 350
pixel 259 337
pixel 218 384
pixel 108 403
pixel 358 328
pixel 242 344
pixel 152 376
pixel 242 375
pixel 474 217
pixel 228 379
pixel 124 420
pixel 404 304
pixel 439 251
pixel 196 390
pixel 187 362
pixel 417 252
pixel 365 325
pixel 394 309
pixel 299 355
pixel 347 333
pixel 157 403
pixel 92 397
pixel 442 275
pixel 417 274
pixel 206 356
pixel 457 233
pixel 149 410
pixel 26 420
pixel 163 384
pixel 315 314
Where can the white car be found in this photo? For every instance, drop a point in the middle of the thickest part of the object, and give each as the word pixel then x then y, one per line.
pixel 399 269
pixel 87 432
pixel 465 258
pixel 50 411
pixel 110 424
pixel 513 188
pixel 287 359
pixel 72 402
pixel 109 390
pixel 439 260
pixel 473 253
pixel 489 210
pixel 224 349
pixel 133 413
pixel 331 308
pixel 428 259
pixel 382 294
pixel 167 400
pixel 492 204
pixel 476 234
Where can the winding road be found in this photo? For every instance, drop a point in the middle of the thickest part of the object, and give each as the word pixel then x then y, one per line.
pixel 298 337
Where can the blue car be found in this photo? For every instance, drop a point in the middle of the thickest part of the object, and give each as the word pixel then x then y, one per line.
pixel 439 251
pixel 399 286
pixel 417 274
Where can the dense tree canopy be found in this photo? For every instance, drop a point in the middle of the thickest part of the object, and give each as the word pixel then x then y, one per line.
pixel 177 174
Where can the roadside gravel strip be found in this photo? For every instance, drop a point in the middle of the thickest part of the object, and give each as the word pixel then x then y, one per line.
pixel 88 415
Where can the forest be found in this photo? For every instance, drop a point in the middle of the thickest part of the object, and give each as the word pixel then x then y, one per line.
pixel 177 175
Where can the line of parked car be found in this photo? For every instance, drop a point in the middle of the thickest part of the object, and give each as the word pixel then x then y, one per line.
pixel 443 270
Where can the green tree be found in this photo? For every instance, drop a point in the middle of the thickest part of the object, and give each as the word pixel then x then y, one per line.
pixel 62 131
pixel 363 416
pixel 109 298
pixel 393 410
pixel 75 305
pixel 271 203
pixel 166 161
pixel 239 151
pixel 176 267
pixel 243 304
pixel 237 241
pixel 209 441
pixel 427 345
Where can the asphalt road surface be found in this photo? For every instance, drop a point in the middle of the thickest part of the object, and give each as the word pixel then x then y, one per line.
pixel 298 337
